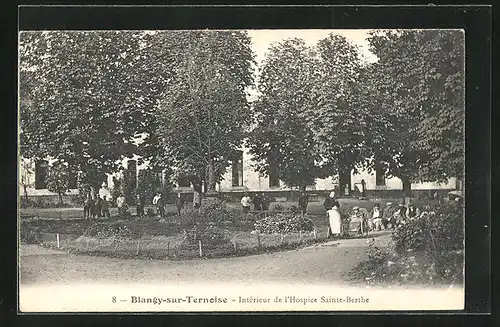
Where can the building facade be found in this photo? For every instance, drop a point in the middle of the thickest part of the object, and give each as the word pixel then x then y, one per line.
pixel 240 177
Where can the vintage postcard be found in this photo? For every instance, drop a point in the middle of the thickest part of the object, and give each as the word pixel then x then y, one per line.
pixel 241 170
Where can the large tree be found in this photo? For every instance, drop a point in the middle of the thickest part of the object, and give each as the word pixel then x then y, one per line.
pixel 335 116
pixel 281 140
pixel 414 94
pixel 204 113
pixel 87 96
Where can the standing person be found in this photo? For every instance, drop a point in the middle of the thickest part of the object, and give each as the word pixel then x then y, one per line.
pixel 363 188
pixel 335 221
pixel 139 205
pixel 179 203
pixel 245 203
pixel 303 202
pixel 331 201
pixel 105 207
pixel 266 201
pixel 86 207
pixel 98 206
pixel 257 202
pixel 122 205
pixel 160 205
pixel 375 219
pixel 93 212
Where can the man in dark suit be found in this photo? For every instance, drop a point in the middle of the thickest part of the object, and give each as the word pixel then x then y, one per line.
pixel 303 202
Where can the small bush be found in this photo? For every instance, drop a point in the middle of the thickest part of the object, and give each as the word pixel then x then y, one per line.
pixel 214 211
pixel 113 230
pixel 283 222
pixel 40 203
pixel 211 235
pixel 278 207
pixel 30 235
pixel 428 249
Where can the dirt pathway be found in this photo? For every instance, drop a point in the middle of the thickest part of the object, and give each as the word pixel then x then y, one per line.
pixel 317 264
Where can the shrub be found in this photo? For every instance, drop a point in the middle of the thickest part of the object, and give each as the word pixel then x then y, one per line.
pixel 40 203
pixel 209 234
pixel 436 237
pixel 214 211
pixel 113 230
pixel 30 235
pixel 278 207
pixel 283 222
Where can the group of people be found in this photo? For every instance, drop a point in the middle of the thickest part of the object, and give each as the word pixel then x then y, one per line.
pixel 98 207
pixel 159 203
pixel 260 201
pixel 362 221
pixel 95 208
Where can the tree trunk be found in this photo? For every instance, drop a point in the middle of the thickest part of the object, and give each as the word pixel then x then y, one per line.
pixel 196 194
pixel 406 188
pixel 93 191
pixel 60 198
pixel 25 188
pixel 211 177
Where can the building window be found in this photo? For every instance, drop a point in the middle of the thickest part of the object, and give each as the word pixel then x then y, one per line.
pixel 274 180
pixel 237 169
pixel 41 168
pixel 379 177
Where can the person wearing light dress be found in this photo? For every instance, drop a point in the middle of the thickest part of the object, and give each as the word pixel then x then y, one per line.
pixel 335 221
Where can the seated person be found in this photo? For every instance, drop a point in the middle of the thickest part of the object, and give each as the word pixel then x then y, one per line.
pixel 387 215
pixel 375 218
pixel 412 212
pixel 399 216
pixel 357 221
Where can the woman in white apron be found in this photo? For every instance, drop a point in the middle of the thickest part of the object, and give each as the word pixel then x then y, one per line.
pixel 335 221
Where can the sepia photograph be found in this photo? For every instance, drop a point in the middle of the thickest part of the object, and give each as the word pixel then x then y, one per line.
pixel 241 170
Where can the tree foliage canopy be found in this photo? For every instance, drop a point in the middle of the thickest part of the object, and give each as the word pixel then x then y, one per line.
pixel 204 113
pixel 281 137
pixel 87 96
pixel 416 102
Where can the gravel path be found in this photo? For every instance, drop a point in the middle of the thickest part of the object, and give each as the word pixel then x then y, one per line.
pixel 327 263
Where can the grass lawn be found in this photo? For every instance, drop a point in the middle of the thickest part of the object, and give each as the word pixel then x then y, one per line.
pixel 160 240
